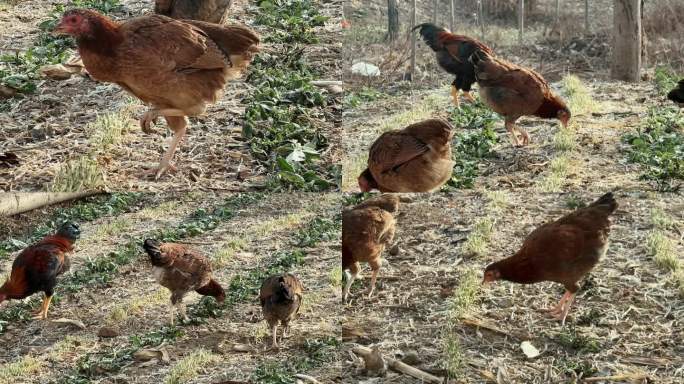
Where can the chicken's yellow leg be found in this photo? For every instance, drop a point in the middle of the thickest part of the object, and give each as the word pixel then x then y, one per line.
pixel 374 276
pixel 468 96
pixel 42 314
pixel 454 96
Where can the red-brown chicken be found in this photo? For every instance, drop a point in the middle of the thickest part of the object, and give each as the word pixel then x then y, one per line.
pixel 176 67
pixel 561 251
pixel 367 230
pixel 36 268
pixel 182 269
pixel 280 297
pixel 211 11
pixel 452 53
pixel 513 91
pixel 414 159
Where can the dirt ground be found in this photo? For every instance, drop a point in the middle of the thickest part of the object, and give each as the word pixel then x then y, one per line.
pixel 50 127
pixel 134 304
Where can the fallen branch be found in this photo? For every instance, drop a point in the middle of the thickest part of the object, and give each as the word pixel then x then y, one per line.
pixel 19 202
pixel 307 378
pixel 473 322
pixel 633 376
pixel 402 367
pixel 325 83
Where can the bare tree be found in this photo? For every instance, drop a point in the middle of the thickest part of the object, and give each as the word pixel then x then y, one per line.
pixel 451 15
pixel 392 20
pixel 626 40
pixel 413 39
pixel 521 20
pixel 586 16
pixel 435 6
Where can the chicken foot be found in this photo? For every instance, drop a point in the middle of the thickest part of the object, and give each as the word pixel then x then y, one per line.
pixel 560 311
pixel 514 129
pixel 42 313
pixel 274 333
pixel 454 96
pixel 347 286
pixel 468 96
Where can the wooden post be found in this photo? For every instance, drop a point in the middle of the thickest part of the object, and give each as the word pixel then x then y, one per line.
pixel 451 15
pixel 627 36
pixel 521 20
pixel 435 6
pixel 413 39
pixel 392 20
pixel 557 17
pixel 586 16
pixel 481 19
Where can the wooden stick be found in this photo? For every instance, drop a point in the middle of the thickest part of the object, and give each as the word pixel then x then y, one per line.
pixel 402 367
pixel 633 376
pixel 325 83
pixel 19 202
pixel 307 378
pixel 473 322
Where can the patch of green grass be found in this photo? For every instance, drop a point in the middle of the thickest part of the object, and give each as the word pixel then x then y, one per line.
pixel 26 366
pixel 188 368
pixel 335 277
pixel 18 312
pixel 469 148
pixel 498 200
pixel 659 147
pixel 575 367
pixel 464 297
pixel 317 230
pixel 156 337
pixel 579 100
pixel 107 130
pixel 557 177
pixel 356 198
pixel 565 139
pixel 290 21
pixel 76 175
pixel 318 352
pixel 662 220
pixel 662 249
pixel 473 116
pixel 665 79
pixel 354 99
pixel 570 338
pixel 477 242
pixel 575 202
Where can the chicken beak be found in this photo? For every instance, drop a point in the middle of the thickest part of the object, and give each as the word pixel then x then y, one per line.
pixel 60 29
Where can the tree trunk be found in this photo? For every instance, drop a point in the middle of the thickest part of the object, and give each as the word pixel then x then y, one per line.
pixel 557 10
pixel 586 16
pixel 451 15
pixel 521 20
pixel 212 11
pixel 413 39
pixel 626 40
pixel 435 6
pixel 481 19
pixel 392 20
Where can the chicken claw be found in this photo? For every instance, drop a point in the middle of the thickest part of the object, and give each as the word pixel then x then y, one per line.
pixel 454 97
pixel 149 118
pixel 469 97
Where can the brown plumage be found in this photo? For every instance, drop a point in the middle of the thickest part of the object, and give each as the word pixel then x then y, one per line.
pixel 176 67
pixel 36 268
pixel 182 269
pixel 280 297
pixel 414 159
pixel 211 11
pixel 562 251
pixel 366 230
pixel 514 91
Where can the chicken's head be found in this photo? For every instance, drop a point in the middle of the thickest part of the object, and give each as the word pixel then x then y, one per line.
pixel 75 22
pixel 491 274
pixel 564 116
pixel 71 231
pixel 367 182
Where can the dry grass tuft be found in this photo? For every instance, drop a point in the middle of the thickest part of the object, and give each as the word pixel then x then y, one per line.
pixel 478 241
pixel 460 305
pixel 27 366
pixel 565 139
pixel 555 179
pixel 77 175
pixel 335 277
pixel 227 251
pixel 580 101
pixel 188 368
pixel 107 130
pixel 662 248
pixel 123 311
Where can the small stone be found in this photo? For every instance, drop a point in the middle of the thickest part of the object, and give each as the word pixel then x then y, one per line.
pixel 394 250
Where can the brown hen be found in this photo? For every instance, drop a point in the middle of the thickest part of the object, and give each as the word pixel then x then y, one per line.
pixel 182 269
pixel 280 297
pixel 211 11
pixel 176 67
pixel 514 91
pixel 562 251
pixel 366 230
pixel 414 159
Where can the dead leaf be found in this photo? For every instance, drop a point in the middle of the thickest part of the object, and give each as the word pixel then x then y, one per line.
pixel 529 350
pixel 57 71
pixel 148 354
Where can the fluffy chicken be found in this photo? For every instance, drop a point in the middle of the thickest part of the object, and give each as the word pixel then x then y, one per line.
pixel 176 67
pixel 182 269
pixel 414 159
pixel 212 11
pixel 366 230
pixel 513 91
pixel 453 52
pixel 36 268
pixel 677 94
pixel 562 251
pixel 280 297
